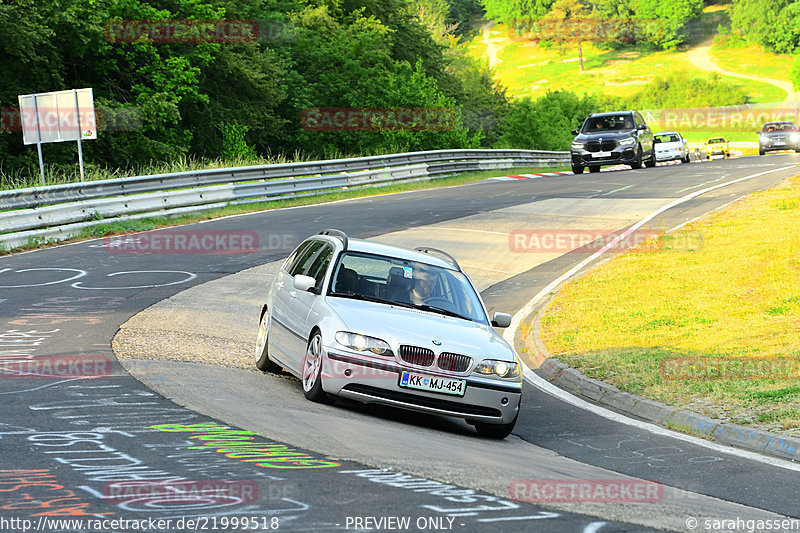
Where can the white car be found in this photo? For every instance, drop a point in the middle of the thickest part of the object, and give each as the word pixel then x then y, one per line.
pixel 670 146
pixel 381 324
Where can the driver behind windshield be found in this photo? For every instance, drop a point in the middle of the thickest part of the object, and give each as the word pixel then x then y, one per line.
pixel 424 285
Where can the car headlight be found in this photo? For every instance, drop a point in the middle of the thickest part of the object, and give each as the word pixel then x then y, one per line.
pixel 363 343
pixel 763 139
pixel 627 142
pixel 794 137
pixel 504 369
pixel 577 146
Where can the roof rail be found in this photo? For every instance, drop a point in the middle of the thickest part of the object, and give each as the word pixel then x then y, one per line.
pixel 428 249
pixel 336 233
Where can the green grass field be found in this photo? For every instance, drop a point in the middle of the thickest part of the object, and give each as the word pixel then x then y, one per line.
pixel 528 69
pixel 723 291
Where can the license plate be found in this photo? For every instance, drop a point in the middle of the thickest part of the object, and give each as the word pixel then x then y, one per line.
pixel 601 154
pixel 779 143
pixel 411 380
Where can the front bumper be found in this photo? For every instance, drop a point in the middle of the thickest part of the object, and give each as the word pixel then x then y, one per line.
pixel 669 155
pixel 371 380
pixel 773 146
pixel 619 155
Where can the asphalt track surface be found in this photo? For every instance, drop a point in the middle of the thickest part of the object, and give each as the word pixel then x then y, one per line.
pixel 69 446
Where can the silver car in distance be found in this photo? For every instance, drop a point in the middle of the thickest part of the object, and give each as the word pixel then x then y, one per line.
pixel 381 324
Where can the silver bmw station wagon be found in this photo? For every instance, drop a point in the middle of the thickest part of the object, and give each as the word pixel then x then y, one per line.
pixel 382 324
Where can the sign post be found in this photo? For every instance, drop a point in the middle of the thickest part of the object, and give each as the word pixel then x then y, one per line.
pixel 56 117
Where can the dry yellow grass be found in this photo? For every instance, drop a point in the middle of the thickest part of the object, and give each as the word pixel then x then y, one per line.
pixel 735 295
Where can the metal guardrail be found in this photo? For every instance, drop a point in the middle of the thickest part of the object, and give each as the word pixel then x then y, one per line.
pixel 55 211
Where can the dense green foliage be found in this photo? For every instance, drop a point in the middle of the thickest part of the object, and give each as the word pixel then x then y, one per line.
pixel 775 24
pixel 546 123
pixel 612 22
pixel 163 101
pixel 682 90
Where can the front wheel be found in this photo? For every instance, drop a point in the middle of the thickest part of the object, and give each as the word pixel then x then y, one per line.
pixel 637 163
pixel 651 161
pixel 495 431
pixel 263 362
pixel 577 169
pixel 312 371
pixel 594 169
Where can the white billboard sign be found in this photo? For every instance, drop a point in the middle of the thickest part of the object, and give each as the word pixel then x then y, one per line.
pixel 57 117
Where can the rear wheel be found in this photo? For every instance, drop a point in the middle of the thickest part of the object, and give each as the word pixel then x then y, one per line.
pixel 577 169
pixel 594 169
pixel 637 163
pixel 263 362
pixel 495 431
pixel 312 370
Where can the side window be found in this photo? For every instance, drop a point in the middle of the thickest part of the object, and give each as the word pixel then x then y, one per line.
pixel 638 117
pixel 320 265
pixel 304 259
pixel 292 259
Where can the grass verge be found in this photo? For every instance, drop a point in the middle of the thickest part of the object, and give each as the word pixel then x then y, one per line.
pixel 146 224
pixel 714 327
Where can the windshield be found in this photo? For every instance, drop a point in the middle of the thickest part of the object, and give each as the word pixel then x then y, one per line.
pixel 608 123
pixel 395 281
pixel 717 140
pixel 778 127
pixel 667 138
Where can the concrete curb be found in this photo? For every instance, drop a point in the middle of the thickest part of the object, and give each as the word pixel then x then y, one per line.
pixel 569 379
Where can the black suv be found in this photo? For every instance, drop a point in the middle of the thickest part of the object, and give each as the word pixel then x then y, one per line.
pixel 621 137
pixel 778 135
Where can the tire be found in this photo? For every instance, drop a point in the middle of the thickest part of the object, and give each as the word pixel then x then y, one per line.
pixel 263 362
pixel 651 161
pixel 577 169
pixel 495 431
pixel 637 163
pixel 594 169
pixel 760 151
pixel 312 370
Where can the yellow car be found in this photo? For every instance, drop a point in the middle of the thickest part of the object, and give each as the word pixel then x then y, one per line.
pixel 717 146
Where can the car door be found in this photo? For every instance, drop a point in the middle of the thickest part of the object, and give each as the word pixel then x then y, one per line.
pixel 645 137
pixel 300 302
pixel 281 340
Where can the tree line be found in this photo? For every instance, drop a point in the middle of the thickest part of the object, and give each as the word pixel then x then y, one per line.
pixel 165 93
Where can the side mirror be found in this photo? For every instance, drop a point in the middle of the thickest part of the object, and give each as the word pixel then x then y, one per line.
pixel 501 320
pixel 641 127
pixel 758 132
pixel 303 283
pixel 575 131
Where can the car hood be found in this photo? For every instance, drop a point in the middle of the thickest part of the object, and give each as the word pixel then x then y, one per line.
pixel 400 325
pixel 605 135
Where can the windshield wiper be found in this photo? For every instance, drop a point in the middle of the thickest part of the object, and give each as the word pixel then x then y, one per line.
pixel 361 297
pixel 439 310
